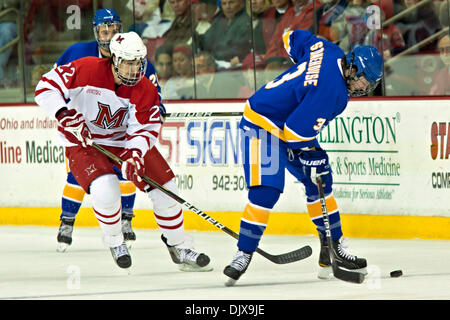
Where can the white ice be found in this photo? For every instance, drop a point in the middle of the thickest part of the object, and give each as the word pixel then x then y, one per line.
pixel 30 268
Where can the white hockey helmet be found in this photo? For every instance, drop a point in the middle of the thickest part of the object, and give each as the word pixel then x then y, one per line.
pixel 129 56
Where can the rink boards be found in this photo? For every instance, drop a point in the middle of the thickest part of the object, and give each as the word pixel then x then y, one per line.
pixel 390 162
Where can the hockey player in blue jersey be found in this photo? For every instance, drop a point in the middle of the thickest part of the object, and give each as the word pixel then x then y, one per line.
pixel 280 125
pixel 106 24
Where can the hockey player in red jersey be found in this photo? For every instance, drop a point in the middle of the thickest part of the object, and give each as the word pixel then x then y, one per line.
pixel 106 24
pixel 114 105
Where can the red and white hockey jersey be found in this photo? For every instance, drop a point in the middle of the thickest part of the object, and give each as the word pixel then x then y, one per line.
pixel 120 116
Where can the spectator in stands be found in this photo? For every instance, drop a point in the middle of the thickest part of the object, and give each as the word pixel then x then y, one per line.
pixel 184 29
pixel 300 16
pixel 205 69
pixel 36 74
pixel 204 10
pixel 419 24
pixel 273 16
pixel 180 30
pixel 163 64
pixel 441 84
pixel 443 11
pixel 229 38
pixel 143 11
pixel 389 39
pixel 351 26
pixel 166 10
pixel 325 16
pixel 250 65
pixel 387 6
pixel 212 85
pixel 181 84
pixel 8 32
pixel 257 10
pixel 273 69
pixel 149 23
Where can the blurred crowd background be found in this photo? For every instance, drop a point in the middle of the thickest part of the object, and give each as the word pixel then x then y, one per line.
pixel 227 49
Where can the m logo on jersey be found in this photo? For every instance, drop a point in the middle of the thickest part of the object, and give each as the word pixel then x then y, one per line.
pixel 106 120
pixel 91 169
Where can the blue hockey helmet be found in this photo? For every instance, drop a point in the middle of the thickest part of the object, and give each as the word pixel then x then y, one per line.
pixel 368 63
pixel 110 19
pixel 105 16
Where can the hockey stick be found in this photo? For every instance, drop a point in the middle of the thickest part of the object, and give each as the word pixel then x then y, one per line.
pixel 201 114
pixel 345 275
pixel 287 257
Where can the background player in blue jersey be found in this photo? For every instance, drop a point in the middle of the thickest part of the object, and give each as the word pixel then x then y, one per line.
pixel 106 24
pixel 279 127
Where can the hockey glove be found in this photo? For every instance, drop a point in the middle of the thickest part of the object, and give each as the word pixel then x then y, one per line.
pixel 132 165
pixel 73 126
pixel 314 162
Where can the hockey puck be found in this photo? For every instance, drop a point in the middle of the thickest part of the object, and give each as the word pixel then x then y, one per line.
pixel 396 273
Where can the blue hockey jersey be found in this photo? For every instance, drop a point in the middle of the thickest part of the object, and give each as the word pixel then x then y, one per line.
pixel 300 102
pixel 90 49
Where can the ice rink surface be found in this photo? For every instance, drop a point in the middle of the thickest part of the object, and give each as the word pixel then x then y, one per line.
pixel 31 269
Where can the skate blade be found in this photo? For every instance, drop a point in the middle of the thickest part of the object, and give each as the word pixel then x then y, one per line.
pixel 325 273
pixel 188 268
pixel 362 271
pixel 61 247
pixel 230 282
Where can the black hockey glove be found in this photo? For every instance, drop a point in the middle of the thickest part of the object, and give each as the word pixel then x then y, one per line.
pixel 314 162
pixel 162 113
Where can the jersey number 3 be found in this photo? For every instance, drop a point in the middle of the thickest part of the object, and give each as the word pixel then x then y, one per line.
pixel 288 76
pixel 320 123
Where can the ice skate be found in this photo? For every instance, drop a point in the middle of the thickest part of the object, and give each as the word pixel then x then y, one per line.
pixel 343 259
pixel 64 236
pixel 237 267
pixel 188 259
pixel 121 256
pixel 128 233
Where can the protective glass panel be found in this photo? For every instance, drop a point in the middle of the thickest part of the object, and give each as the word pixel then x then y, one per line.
pixel 279 17
pixel 224 43
pixel 51 27
pixel 11 52
pixel 228 49
pixel 417 30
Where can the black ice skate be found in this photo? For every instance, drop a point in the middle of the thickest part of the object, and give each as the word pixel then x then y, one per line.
pixel 64 236
pixel 237 267
pixel 121 256
pixel 343 259
pixel 187 259
pixel 128 233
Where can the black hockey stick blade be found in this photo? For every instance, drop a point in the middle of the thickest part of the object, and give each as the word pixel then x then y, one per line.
pixel 287 257
pixel 346 275
pixel 339 273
